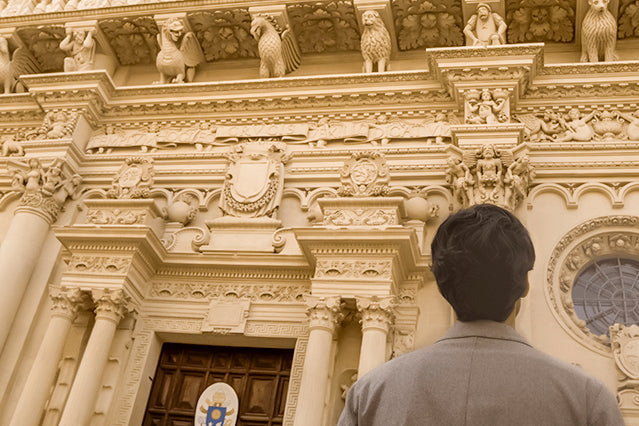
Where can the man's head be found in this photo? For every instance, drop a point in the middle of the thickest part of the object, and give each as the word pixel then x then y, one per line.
pixel 481 258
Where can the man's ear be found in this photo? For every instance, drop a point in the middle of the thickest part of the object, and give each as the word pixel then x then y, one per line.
pixel 527 287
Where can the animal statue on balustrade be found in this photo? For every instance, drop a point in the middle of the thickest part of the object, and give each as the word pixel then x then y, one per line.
pixel 11 69
pixel 375 42
pixel 279 53
pixel 179 53
pixel 598 33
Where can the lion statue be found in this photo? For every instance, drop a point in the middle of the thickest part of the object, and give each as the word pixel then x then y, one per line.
pixel 598 33
pixel 375 43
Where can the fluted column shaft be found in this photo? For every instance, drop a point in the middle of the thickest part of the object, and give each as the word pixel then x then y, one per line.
pixel 19 254
pixel 377 317
pixel 42 375
pixel 84 391
pixel 324 316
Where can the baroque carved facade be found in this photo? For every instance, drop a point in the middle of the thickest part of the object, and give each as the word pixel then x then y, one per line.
pixel 271 176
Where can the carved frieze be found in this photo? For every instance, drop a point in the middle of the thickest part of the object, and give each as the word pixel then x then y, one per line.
pixel 116 217
pixel 254 180
pixel 325 26
pixel 259 292
pixel 99 264
pixel 344 217
pixel 133 180
pixel 45 188
pixel 488 175
pixel 224 34
pixel 353 269
pixel 540 20
pixel 133 39
pixel 364 174
pixel 44 44
pixel 422 24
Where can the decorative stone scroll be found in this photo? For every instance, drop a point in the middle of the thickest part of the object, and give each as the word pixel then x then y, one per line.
pixel 625 349
pixel 254 180
pixel 365 174
pixel 45 188
pixel 491 176
pixel 133 180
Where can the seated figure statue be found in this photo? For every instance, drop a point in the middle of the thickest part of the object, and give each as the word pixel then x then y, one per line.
pixel 485 28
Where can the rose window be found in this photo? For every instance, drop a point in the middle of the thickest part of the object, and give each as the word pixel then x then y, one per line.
pixel 607 292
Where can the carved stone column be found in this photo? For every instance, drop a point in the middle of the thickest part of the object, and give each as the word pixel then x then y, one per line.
pixel 65 305
pixel 324 317
pixel 110 308
pixel 45 189
pixel 377 317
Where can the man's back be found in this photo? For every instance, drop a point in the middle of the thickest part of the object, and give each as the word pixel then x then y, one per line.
pixel 480 373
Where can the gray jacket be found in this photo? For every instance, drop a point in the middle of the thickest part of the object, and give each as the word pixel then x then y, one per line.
pixel 479 373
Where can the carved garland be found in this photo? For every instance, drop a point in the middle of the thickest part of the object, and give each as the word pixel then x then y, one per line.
pixel 596 238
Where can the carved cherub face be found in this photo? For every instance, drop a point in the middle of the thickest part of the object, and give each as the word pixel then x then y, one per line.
pixel 485 95
pixel 574 114
pixel 33 163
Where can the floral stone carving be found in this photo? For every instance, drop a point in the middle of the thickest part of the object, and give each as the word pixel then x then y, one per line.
pixel 540 20
pixel 224 34
pixel 490 176
pixel 12 68
pixel 364 174
pixel 179 53
pixel 133 180
pixel 628 19
pixel 44 44
pixel 375 43
pixel 79 47
pixel 598 33
pixel 254 180
pixel 487 107
pixel 132 39
pixel 324 26
pixel 427 24
pixel 279 54
pixel 485 28
pixel 45 188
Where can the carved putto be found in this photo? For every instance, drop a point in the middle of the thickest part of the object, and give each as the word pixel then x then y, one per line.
pixel 486 107
pixel 365 174
pixel 490 176
pixel 279 54
pixel 133 180
pixel 375 42
pixel 254 180
pixel 179 54
pixel 56 124
pixel 45 187
pixel 598 33
pixel 11 69
pixel 485 28
pixel 79 47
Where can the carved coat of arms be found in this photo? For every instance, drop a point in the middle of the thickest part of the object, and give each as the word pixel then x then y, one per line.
pixel 254 180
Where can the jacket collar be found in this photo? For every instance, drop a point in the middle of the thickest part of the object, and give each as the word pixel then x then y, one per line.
pixel 483 328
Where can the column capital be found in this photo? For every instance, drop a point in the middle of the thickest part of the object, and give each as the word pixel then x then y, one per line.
pixel 324 312
pixel 66 302
pixel 376 312
pixel 110 304
pixel 44 188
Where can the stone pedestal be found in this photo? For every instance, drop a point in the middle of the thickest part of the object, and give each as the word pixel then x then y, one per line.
pixel 242 234
pixel 131 212
pixel 504 135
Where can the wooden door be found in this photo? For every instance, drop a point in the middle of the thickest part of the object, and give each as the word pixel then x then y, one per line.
pixel 259 376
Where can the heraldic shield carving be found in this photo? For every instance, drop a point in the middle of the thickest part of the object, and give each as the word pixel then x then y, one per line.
pixel 254 180
pixel 625 348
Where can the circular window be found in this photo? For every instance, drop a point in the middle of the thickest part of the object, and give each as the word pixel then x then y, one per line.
pixel 607 292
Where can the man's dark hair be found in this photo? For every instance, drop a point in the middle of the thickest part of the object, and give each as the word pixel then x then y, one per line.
pixel 481 257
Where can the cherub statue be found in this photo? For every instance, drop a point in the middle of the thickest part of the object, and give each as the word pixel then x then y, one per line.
pixel 483 109
pixel 179 53
pixel 375 42
pixel 67 188
pixel 485 28
pixel 489 171
pixel 80 49
pixel 52 179
pixel 542 129
pixel 632 131
pixel 33 178
pixel 577 129
pixel 517 179
pixel 56 124
pixel 11 69
pixel 461 180
pixel 279 54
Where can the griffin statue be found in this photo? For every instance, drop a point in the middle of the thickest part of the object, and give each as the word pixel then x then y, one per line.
pixel 11 69
pixel 278 51
pixel 179 53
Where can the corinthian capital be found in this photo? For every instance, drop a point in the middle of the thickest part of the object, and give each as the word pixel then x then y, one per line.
pixel 324 312
pixel 376 312
pixel 44 188
pixel 110 304
pixel 66 302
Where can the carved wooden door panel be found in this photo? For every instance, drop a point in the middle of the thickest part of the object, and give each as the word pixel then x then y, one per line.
pixel 259 376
